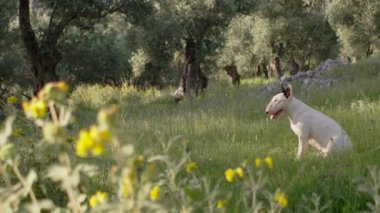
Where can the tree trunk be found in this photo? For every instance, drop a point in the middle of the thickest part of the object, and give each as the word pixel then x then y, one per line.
pixel 264 68
pixel 275 68
pixel 233 73
pixel 256 70
pixel 369 50
pixel 44 71
pixel 193 80
pixel 45 57
pixel 295 68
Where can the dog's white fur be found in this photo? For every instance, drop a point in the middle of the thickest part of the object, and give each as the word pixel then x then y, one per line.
pixel 311 126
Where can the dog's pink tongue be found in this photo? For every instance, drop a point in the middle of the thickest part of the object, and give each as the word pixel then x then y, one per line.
pixel 272 117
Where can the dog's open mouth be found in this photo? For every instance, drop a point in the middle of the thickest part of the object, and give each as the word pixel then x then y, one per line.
pixel 275 115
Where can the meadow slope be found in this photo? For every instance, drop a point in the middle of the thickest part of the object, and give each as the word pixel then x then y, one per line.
pixel 227 126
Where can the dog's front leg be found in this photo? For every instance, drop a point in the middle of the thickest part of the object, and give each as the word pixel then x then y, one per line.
pixel 302 145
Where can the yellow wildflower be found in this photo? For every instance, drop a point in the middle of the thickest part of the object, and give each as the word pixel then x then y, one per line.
pixel 85 141
pixel 281 199
pixel 11 99
pixel 129 183
pixel 126 189
pixel 222 204
pixel 100 134
pixel 155 193
pixel 35 108
pixel 229 174
pixel 101 137
pixel 93 140
pixel 63 86
pixel 268 160
pixel 98 198
pixel 138 160
pixel 239 172
pixel 190 166
pixel 258 162
pixel 98 149
pixel 54 90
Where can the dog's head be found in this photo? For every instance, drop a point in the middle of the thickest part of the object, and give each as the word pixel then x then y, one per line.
pixel 279 102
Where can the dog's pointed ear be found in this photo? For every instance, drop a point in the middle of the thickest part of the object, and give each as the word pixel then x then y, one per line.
pixel 288 92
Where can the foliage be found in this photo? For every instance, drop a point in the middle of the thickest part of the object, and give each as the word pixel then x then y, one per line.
pixel 108 38
pixel 12 63
pixel 238 46
pixel 101 42
pixel 356 24
pixel 292 31
pixel 371 186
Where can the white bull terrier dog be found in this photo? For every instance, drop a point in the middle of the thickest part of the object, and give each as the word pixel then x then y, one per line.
pixel 311 126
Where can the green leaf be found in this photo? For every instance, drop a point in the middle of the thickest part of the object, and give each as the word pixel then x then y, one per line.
pixel 194 193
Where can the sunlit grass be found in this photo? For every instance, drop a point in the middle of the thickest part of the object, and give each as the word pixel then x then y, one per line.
pixel 227 125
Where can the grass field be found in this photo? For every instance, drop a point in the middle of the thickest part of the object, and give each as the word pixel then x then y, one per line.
pixel 227 126
pixel 221 135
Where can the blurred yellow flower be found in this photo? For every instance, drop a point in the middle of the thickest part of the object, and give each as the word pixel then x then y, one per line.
pixel 100 134
pixel 258 162
pixel 93 140
pixel 98 198
pixel 229 174
pixel 54 90
pixel 222 204
pixel 190 166
pixel 268 160
pixel 11 99
pixel 63 86
pixel 126 189
pixel 155 193
pixel 84 143
pixel 138 160
pixel 129 183
pixel 239 172
pixel 35 108
pixel 281 199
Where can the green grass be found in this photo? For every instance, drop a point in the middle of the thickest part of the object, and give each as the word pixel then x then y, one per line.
pixel 227 125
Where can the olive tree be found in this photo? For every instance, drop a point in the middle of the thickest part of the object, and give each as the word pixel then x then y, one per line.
pixel 357 24
pixel 184 34
pixel 42 42
pixel 291 32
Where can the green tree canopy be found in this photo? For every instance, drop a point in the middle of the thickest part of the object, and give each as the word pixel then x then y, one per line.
pixel 41 39
pixel 357 25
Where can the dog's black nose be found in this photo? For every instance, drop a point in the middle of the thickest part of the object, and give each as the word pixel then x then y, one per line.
pixel 267 112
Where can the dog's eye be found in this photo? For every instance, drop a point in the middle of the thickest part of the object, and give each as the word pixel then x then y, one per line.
pixel 275 100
